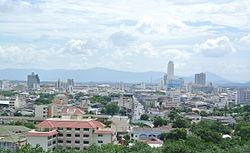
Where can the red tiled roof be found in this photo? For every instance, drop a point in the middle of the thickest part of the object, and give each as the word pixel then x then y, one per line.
pixel 70 124
pixel 113 123
pixel 76 111
pixel 103 132
pixel 41 133
pixel 150 141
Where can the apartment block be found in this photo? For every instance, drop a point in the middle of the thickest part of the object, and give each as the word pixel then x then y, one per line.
pixel 70 133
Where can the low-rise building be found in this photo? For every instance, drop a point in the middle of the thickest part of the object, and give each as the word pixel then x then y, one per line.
pixel 12 137
pixel 138 133
pixel 70 133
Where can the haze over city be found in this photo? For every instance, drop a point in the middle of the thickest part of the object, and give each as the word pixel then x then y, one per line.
pixel 124 76
pixel 131 35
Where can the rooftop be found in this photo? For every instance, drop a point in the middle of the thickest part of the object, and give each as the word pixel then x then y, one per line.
pixel 36 133
pixel 54 123
pixel 72 110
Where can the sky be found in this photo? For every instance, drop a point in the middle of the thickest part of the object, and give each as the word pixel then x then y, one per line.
pixel 131 35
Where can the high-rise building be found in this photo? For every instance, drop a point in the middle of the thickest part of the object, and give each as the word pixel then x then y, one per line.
pixel 70 85
pixel 200 79
pixel 170 70
pixel 33 81
pixel 243 97
pixel 165 79
pixel 4 84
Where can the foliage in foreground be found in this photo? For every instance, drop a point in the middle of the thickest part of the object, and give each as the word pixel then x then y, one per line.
pixel 191 144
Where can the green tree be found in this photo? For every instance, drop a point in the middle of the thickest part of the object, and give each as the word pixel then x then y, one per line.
pixel 208 135
pixel 112 109
pixel 181 123
pixel 144 117
pixel 104 121
pixel 174 135
pixel 244 132
pixel 173 115
pixel 176 147
pixel 158 122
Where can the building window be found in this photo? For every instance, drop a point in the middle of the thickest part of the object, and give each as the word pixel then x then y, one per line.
pixel 77 129
pixel 54 142
pixel 60 141
pixel 68 128
pixel 68 141
pixel 100 135
pixel 85 129
pixel 85 135
pixel 77 135
pixel 68 135
pixel 60 134
pixel 49 137
pixel 60 128
pixel 77 141
pixel 85 142
pixel 77 148
pixel 100 141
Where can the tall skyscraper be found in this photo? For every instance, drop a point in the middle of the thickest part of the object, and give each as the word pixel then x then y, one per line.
pixel 33 81
pixel 70 85
pixel 170 70
pixel 200 79
pixel 243 97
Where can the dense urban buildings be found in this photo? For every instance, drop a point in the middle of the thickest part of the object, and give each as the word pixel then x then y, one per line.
pixel 72 115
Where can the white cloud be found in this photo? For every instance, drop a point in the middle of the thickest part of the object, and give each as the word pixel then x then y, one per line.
pixel 12 6
pixel 122 39
pixel 217 47
pixel 80 47
pixel 148 50
pixel 245 39
pixel 20 55
pixel 177 54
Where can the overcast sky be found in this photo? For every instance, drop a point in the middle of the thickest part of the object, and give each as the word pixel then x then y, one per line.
pixel 132 35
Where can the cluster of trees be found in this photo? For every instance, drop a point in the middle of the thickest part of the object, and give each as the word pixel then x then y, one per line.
pixel 111 109
pixel 8 93
pixel 100 99
pixel 44 99
pixel 30 125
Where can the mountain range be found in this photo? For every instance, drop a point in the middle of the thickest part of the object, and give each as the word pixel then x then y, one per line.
pixel 99 74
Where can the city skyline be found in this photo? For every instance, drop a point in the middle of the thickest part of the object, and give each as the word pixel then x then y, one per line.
pixel 198 36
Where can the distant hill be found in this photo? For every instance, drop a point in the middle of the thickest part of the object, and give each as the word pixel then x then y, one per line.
pixel 99 75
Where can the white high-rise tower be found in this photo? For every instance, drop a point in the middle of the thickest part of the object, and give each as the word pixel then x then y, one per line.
pixel 170 70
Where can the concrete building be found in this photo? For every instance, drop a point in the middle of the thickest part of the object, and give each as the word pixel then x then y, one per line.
pixel 33 81
pixel 4 84
pixel 121 123
pixel 170 70
pixel 138 133
pixel 126 101
pixel 67 134
pixel 243 97
pixel 200 79
pixel 12 137
pixel 41 111
pixel 70 85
